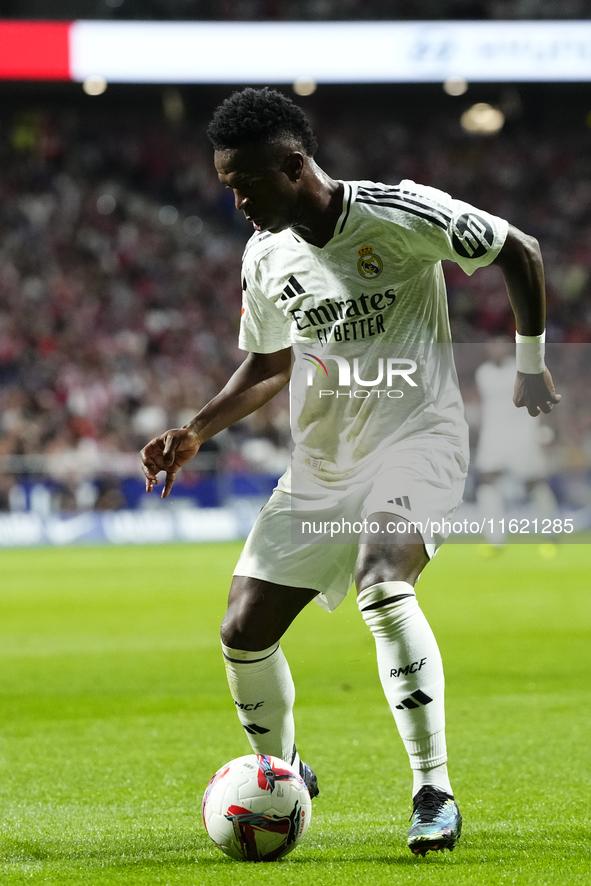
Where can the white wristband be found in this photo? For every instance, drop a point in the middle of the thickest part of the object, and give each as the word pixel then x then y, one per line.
pixel 530 353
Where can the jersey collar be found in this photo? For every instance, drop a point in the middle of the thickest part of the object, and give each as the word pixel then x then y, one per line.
pixel 344 216
pixel 349 193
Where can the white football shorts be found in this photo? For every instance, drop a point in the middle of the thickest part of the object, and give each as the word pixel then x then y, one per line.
pixel 297 539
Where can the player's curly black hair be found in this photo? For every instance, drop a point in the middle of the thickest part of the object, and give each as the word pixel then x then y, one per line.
pixel 260 116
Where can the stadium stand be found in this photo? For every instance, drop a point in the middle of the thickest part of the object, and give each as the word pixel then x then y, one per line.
pixel 120 257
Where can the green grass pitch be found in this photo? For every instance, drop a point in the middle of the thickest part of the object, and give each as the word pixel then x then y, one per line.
pixel 115 713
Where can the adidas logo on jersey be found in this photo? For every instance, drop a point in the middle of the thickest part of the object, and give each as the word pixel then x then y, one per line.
pixel 292 289
pixel 403 501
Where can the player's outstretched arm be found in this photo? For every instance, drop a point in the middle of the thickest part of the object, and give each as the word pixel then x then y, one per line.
pixel 254 383
pixel 520 260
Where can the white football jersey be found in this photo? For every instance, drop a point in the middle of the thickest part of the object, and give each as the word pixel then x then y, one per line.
pixel 361 312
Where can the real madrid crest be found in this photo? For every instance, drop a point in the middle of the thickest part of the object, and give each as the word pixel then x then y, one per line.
pixel 369 265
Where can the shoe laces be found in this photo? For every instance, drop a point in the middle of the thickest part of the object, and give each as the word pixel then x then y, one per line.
pixel 427 803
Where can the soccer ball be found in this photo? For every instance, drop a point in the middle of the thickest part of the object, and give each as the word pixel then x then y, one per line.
pixel 256 808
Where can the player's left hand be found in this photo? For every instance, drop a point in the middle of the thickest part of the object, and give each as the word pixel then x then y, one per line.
pixel 535 392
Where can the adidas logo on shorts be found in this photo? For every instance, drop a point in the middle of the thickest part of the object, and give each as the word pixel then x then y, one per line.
pixel 403 501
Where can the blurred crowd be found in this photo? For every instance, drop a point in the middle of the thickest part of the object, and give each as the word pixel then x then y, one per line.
pixel 301 10
pixel 120 268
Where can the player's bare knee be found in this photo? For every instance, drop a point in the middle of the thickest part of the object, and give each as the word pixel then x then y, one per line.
pixel 378 563
pixel 380 566
pixel 256 616
pixel 238 630
pixel 242 627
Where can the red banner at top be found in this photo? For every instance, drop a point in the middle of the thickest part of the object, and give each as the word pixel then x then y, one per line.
pixel 34 50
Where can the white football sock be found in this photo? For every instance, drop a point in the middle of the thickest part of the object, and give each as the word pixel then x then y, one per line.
pixel 264 695
pixel 411 672
pixel 437 777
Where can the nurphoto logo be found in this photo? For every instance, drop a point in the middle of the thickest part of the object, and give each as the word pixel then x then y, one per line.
pixel 391 370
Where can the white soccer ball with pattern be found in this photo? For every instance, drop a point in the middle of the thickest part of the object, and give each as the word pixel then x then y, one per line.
pixel 256 808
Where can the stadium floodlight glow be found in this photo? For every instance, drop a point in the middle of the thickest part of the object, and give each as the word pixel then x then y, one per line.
pixel 455 86
pixel 94 85
pixel 482 119
pixel 332 52
pixel 304 86
pixel 173 105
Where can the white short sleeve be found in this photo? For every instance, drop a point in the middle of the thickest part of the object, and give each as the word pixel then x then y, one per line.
pixel 264 328
pixel 451 229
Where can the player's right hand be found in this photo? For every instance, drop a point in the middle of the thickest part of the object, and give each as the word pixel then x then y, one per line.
pixel 168 452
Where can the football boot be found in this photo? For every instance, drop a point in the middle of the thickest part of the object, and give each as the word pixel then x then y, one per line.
pixel 436 823
pixel 310 779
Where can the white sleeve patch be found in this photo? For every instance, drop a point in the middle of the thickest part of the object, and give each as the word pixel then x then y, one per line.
pixel 439 227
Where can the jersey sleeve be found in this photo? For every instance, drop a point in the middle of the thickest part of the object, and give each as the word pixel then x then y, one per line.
pixel 264 328
pixel 439 227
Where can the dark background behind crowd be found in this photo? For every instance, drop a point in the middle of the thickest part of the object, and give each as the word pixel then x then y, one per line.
pixel 302 10
pixel 120 254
